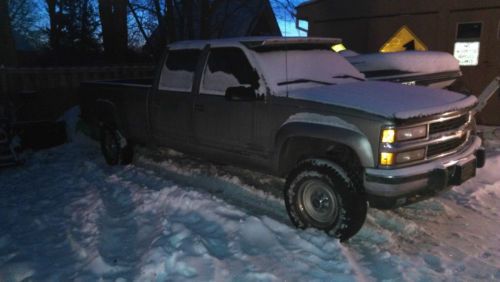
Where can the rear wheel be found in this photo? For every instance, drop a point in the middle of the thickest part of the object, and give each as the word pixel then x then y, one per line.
pixel 115 148
pixel 319 194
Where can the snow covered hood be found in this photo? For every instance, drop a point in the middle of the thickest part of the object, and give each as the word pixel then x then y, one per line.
pixel 387 99
pixel 409 61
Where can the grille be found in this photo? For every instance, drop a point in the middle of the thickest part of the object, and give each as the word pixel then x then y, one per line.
pixel 446 125
pixel 444 147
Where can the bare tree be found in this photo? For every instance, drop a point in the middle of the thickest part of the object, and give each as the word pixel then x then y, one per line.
pixel 172 34
pixel 189 18
pixel 113 16
pixel 73 25
pixel 7 44
pixel 143 22
pixel 25 18
pixel 162 21
pixel 138 22
pixel 54 11
pixel 285 10
pixel 207 10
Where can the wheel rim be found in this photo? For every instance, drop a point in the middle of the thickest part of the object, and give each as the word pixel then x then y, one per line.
pixel 318 201
pixel 110 145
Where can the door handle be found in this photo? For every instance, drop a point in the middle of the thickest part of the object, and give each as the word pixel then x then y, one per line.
pixel 199 107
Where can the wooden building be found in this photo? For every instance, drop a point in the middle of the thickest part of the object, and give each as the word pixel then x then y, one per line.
pixel 466 28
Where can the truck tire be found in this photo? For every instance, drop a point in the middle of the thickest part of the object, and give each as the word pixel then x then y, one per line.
pixel 319 194
pixel 115 149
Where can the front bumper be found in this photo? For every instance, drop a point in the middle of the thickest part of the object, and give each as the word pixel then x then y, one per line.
pixel 390 188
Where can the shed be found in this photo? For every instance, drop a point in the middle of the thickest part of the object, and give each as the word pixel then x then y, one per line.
pixel 468 29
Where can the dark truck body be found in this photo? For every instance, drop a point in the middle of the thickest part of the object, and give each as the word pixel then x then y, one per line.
pixel 274 132
pixel 145 118
pixel 123 102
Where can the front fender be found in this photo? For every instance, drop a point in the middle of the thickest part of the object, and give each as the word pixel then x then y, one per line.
pixel 327 128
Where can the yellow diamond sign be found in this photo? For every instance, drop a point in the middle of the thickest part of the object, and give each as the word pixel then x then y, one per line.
pixel 403 40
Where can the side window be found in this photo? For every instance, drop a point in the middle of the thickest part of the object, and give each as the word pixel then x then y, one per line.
pixel 178 72
pixel 227 67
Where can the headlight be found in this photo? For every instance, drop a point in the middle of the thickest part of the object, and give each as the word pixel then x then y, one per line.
pixel 390 135
pixel 411 133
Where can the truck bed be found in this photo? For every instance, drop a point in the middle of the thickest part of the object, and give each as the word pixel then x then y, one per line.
pixel 126 99
pixel 139 82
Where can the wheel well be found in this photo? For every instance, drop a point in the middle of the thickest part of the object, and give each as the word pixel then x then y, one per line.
pixel 107 114
pixel 297 149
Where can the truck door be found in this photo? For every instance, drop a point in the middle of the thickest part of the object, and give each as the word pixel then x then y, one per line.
pixel 171 105
pixel 219 123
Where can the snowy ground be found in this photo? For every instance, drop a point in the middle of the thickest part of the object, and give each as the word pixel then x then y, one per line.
pixel 65 215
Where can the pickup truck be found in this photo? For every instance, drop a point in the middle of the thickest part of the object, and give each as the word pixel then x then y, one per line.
pixel 292 108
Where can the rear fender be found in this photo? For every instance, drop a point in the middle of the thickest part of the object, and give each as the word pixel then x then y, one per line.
pixel 107 113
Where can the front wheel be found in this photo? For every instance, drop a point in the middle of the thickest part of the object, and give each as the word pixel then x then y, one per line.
pixel 319 194
pixel 115 149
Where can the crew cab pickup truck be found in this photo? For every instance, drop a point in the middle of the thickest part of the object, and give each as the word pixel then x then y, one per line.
pixel 291 107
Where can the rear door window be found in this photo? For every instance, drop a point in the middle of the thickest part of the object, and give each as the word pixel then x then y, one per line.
pixel 227 67
pixel 178 72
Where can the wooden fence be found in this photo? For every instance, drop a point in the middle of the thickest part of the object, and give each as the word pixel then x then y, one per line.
pixel 44 93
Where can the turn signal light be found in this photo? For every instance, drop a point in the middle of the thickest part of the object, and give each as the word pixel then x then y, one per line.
pixel 386 158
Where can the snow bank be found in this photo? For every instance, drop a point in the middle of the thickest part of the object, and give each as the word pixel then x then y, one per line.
pixel 71 118
pixel 70 217
pixel 67 216
pixel 491 136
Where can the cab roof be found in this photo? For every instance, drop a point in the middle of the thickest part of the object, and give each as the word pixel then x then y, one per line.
pixel 256 42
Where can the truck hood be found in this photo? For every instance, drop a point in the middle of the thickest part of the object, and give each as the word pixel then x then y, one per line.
pixel 387 99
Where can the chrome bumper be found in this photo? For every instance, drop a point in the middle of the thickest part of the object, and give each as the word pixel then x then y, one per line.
pixel 388 188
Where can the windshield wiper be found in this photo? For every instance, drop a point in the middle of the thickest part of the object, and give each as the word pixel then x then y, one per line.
pixel 304 80
pixel 348 76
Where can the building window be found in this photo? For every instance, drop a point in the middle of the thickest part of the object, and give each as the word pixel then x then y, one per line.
pixel 469 31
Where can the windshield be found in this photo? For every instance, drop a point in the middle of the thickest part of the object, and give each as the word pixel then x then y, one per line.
pixel 305 69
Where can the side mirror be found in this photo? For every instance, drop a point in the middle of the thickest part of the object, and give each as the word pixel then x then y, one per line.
pixel 240 93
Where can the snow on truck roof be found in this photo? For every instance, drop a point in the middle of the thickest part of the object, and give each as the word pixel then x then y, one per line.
pixel 255 42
